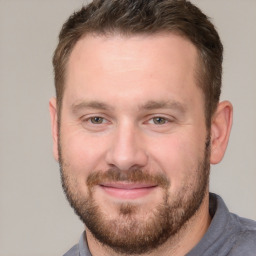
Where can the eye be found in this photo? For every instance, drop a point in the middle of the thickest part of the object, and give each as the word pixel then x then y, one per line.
pixel 159 120
pixel 95 123
pixel 97 120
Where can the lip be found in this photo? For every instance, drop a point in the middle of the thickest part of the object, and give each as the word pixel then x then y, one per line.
pixel 127 190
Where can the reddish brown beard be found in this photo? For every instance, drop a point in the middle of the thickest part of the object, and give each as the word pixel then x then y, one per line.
pixel 128 234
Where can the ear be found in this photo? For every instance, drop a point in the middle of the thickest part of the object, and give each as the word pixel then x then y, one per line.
pixel 220 131
pixel 54 126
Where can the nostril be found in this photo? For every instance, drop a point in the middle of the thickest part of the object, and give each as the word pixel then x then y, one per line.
pixel 126 149
pixel 137 160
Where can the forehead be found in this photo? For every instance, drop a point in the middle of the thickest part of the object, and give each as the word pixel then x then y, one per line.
pixel 114 47
pixel 131 64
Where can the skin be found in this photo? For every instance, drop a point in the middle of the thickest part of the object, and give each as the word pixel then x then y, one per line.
pixel 128 83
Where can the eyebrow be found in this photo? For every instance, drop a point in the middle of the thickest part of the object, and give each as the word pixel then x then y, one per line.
pixel 76 107
pixel 150 105
pixel 168 104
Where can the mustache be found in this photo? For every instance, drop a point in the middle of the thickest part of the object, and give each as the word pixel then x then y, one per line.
pixel 133 175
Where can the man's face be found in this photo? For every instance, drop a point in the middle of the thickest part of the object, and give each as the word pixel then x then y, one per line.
pixel 132 143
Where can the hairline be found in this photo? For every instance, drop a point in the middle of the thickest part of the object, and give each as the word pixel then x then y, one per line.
pixel 199 71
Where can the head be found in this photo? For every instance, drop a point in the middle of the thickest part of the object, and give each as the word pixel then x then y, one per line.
pixel 147 18
pixel 137 121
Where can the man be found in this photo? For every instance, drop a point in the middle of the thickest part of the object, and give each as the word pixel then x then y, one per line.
pixel 136 124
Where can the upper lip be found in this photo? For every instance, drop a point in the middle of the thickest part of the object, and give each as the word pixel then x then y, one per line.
pixel 127 186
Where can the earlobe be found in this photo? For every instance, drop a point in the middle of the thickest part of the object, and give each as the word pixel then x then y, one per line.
pixel 54 126
pixel 220 131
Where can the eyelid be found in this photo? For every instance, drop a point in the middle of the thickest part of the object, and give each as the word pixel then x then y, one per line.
pixel 159 119
pixel 94 117
pixel 168 119
pixel 86 118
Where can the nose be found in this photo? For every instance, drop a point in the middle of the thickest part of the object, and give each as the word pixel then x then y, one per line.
pixel 126 150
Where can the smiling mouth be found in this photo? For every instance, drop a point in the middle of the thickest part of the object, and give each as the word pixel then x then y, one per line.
pixel 127 190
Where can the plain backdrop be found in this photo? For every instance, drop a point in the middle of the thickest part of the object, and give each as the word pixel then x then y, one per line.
pixel 35 218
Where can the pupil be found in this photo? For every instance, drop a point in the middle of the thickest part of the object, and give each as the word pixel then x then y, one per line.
pixel 97 120
pixel 159 120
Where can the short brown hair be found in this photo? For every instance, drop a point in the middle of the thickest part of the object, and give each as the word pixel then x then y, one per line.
pixel 129 17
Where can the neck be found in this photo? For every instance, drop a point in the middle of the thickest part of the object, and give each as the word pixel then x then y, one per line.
pixel 179 245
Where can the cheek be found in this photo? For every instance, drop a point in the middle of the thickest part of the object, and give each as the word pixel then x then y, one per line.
pixel 178 157
pixel 83 153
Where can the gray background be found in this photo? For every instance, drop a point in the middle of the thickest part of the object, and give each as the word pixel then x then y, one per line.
pixel 35 218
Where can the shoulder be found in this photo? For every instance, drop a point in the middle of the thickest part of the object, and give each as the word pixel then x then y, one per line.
pixel 245 242
pixel 246 226
pixel 74 251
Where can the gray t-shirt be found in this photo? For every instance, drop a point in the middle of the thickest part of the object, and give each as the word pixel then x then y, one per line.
pixel 228 234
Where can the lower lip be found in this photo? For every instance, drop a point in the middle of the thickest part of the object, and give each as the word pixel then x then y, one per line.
pixel 128 193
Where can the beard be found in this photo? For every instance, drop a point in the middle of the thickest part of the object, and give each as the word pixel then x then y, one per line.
pixel 132 232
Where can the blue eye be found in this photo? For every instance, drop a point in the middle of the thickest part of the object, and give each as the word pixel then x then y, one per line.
pixel 159 120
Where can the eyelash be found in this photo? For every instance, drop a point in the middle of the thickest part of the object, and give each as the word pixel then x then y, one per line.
pixel 151 120
pixel 165 120
pixel 96 117
pixel 91 122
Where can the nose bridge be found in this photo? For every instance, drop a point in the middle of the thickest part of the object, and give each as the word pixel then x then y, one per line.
pixel 126 150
